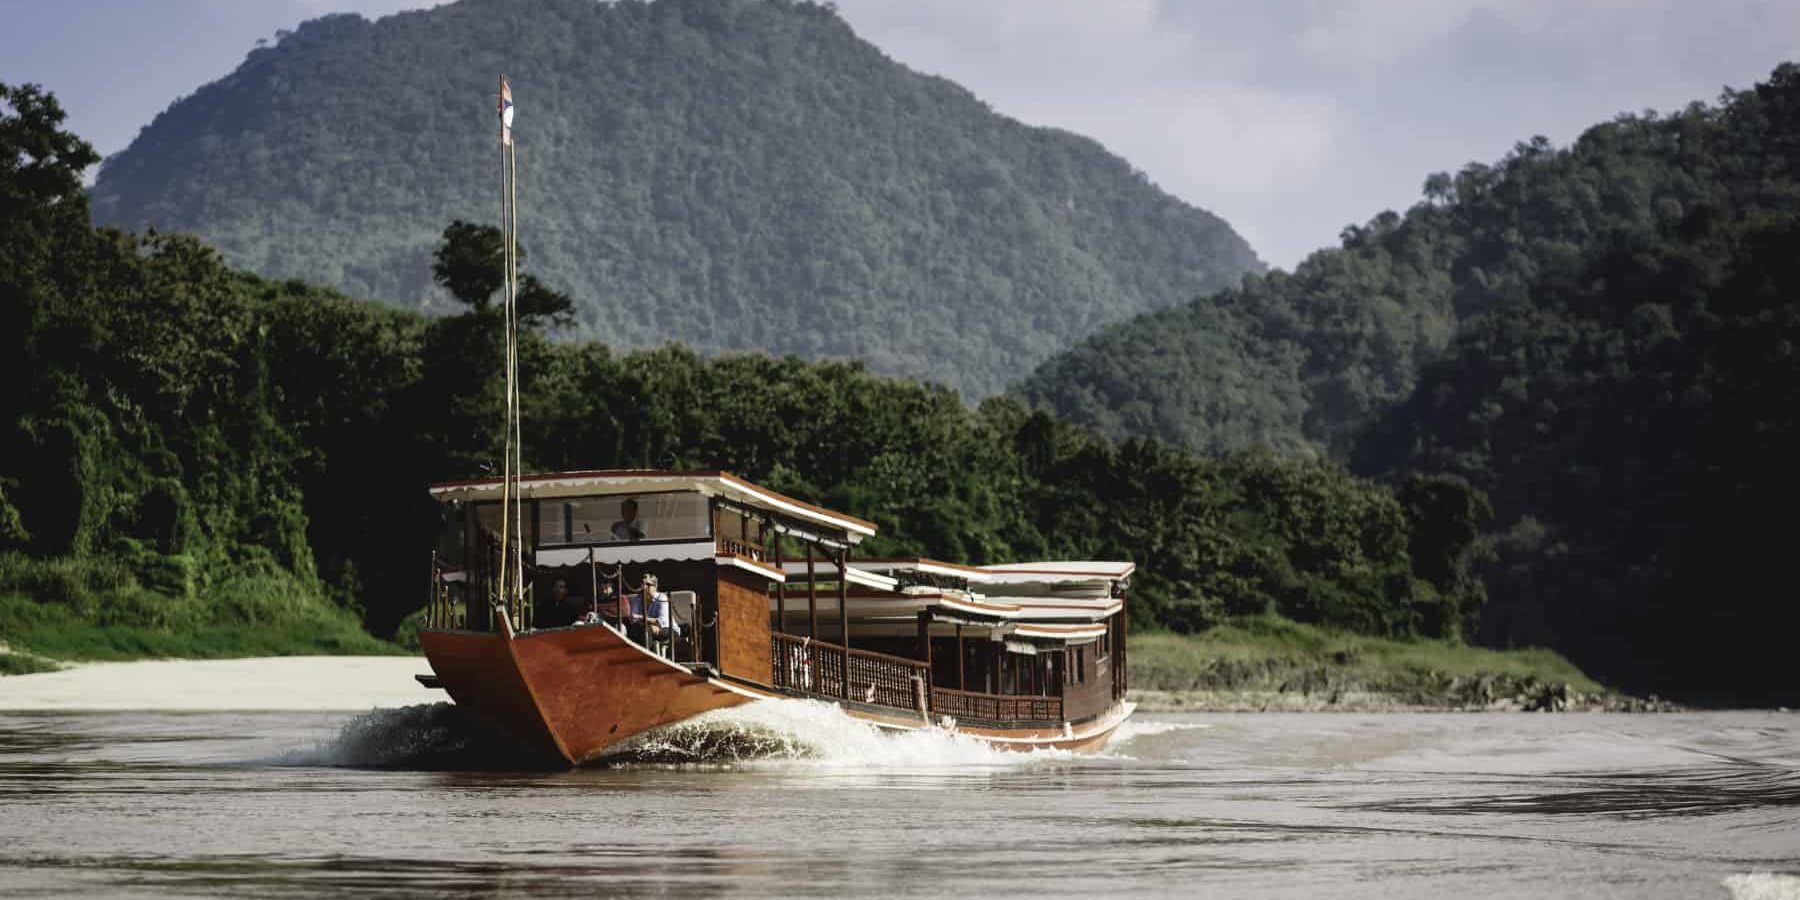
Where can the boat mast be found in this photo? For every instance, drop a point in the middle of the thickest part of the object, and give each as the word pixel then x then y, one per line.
pixel 512 527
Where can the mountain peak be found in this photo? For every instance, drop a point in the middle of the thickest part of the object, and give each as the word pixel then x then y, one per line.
pixel 743 175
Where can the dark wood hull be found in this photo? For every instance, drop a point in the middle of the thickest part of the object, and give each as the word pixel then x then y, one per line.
pixel 569 695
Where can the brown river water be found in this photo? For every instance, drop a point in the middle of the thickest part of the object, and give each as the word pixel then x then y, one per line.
pixel 793 799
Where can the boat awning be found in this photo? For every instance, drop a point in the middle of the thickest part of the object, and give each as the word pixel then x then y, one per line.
pixel 972 574
pixel 629 554
pixel 1090 579
pixel 825 569
pixel 1071 633
pixel 633 481
pixel 1059 570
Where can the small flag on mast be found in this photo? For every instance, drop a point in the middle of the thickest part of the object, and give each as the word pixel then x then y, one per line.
pixel 506 111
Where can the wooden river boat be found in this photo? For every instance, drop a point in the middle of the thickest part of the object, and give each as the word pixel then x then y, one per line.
pixel 769 603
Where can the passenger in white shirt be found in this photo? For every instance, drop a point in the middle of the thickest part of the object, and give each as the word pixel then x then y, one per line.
pixel 658 621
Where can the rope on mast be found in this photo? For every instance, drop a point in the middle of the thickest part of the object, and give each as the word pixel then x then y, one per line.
pixel 517 440
pixel 512 507
pixel 504 600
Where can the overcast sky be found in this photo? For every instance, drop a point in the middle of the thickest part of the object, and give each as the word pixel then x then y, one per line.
pixel 1290 118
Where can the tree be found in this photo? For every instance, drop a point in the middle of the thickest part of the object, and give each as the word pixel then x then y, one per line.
pixel 40 165
pixel 471 265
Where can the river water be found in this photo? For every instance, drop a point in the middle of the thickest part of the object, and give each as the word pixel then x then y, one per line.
pixel 793 799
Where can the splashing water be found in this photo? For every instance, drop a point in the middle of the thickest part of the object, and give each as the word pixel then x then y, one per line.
pixel 1125 745
pixel 1763 886
pixel 424 736
pixel 817 733
pixel 1132 729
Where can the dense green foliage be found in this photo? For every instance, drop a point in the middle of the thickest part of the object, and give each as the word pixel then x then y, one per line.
pixel 1602 339
pixel 200 447
pixel 1273 656
pixel 730 175
pixel 1307 361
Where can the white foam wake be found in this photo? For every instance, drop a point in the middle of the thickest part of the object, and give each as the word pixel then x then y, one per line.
pixel 818 733
pixel 1132 729
pixel 1763 886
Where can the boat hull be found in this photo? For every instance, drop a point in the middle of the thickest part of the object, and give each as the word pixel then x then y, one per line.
pixel 568 695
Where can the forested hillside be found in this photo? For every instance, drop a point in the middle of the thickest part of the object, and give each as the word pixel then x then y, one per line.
pixel 1601 338
pixel 189 446
pixel 731 175
pixel 1306 361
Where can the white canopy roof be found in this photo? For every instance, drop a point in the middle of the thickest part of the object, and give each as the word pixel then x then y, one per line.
pixel 634 481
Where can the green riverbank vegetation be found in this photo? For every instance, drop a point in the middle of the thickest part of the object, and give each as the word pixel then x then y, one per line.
pixel 1266 662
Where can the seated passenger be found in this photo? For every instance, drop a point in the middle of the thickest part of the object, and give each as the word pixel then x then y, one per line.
pixel 607 610
pixel 569 605
pixel 650 612
pixel 564 608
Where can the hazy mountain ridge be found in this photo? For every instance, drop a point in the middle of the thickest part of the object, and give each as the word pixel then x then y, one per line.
pixel 732 175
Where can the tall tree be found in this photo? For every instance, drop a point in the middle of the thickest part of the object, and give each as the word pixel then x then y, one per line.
pixel 470 263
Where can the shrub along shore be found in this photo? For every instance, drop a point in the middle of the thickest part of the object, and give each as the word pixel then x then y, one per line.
pixel 1264 663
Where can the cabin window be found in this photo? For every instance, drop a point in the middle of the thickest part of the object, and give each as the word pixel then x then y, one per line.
pixel 1080 665
pixel 623 519
pixel 1103 647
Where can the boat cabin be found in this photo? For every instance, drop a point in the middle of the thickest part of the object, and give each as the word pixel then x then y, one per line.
pixel 765 591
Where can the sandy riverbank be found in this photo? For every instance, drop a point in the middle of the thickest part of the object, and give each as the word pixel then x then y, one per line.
pixel 271 683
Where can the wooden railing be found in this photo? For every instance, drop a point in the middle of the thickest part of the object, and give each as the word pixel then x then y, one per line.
pixel 442 610
pixel 885 680
pixel 995 707
pixel 740 548
pixel 815 667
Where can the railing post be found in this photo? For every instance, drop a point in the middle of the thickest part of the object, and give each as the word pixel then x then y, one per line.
pixel 925 640
pixel 619 603
pixel 1124 661
pixel 843 592
pixel 962 680
pixel 431 599
pixel 780 588
pixel 812 596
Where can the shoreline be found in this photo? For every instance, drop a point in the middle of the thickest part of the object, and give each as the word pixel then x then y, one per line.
pixel 1554 700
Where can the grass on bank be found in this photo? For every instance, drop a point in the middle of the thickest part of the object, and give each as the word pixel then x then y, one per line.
pixel 76 609
pixel 1267 653
pixel 24 663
